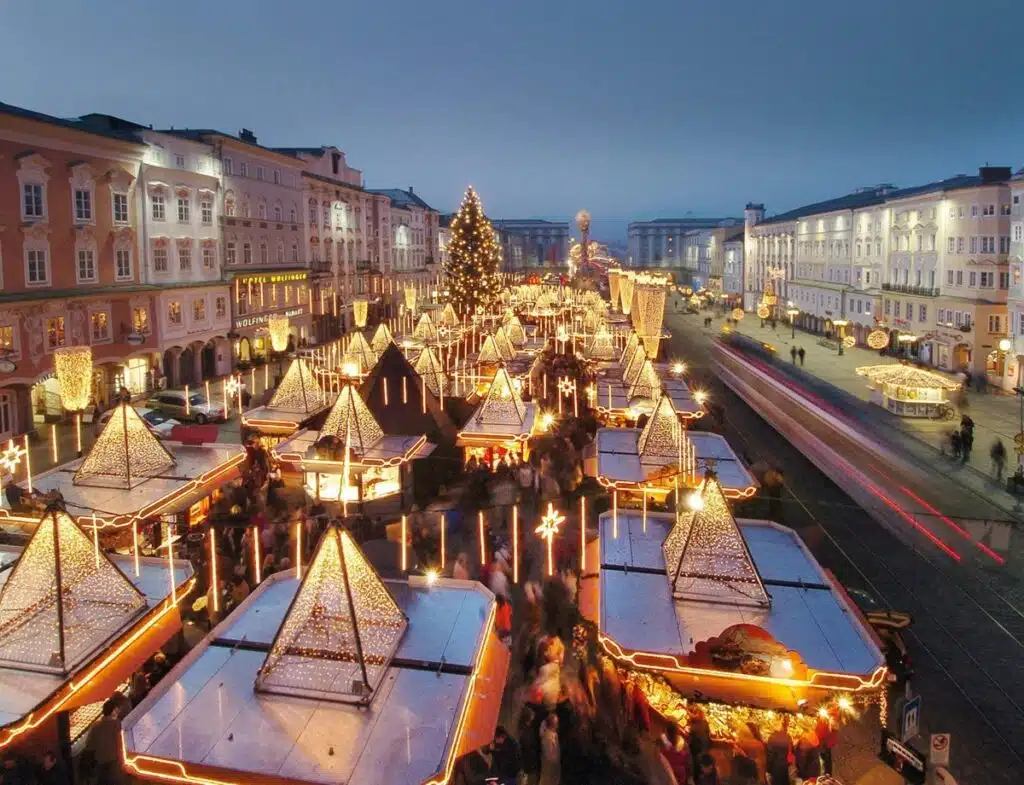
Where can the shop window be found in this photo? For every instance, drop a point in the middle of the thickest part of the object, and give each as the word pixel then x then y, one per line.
pixel 174 312
pixel 140 320
pixel 222 307
pixel 100 326
pixel 55 337
pixel 199 310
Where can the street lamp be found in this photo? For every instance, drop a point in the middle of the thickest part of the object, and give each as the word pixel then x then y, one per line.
pixel 792 313
pixel 841 325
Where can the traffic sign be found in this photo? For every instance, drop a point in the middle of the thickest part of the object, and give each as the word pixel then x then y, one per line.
pixel 911 718
pixel 938 750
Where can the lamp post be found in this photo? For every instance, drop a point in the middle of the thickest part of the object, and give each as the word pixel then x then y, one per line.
pixel 792 313
pixel 840 324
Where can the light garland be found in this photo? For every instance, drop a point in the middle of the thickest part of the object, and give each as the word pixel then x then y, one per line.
pixel 502 405
pixel 906 376
pixel 299 390
pixel 125 453
pixel 664 437
pixel 474 255
pixel 11 457
pixel 614 280
pixel 627 351
pixel 602 346
pixel 737 314
pixel 626 285
pixel 382 339
pixel 425 330
pixel 647 383
pixel 73 366
pixel 429 369
pixel 341 631
pixel 359 351
pixel 706 557
pixel 878 339
pixel 634 365
pixel 849 341
pixel 278 326
pixel 360 310
pixel 350 417
pixel 62 602
pixel 763 311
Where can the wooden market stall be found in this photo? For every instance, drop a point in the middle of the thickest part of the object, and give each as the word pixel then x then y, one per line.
pixel 906 390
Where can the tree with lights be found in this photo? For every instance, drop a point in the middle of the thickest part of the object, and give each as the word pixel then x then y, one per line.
pixel 474 257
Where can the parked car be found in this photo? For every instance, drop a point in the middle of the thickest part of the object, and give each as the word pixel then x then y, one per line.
pixel 159 423
pixel 889 625
pixel 172 402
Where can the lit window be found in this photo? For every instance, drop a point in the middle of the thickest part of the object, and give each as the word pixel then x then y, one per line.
pixel 100 326
pixel 199 310
pixel 140 320
pixel 174 312
pixel 55 333
pixel 222 307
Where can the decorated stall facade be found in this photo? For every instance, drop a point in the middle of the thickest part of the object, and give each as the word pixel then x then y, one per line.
pixel 908 391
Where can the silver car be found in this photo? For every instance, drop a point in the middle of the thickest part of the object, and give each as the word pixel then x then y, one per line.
pixel 172 402
pixel 159 423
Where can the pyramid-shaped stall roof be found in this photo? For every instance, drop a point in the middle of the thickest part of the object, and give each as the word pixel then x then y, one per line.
pixel 359 351
pixel 634 365
pixel 400 417
pixel 429 368
pixel 299 390
pixel 63 601
pixel 627 351
pixel 449 317
pixel 647 384
pixel 502 405
pixel 602 346
pixel 382 338
pixel 125 454
pixel 626 284
pixel 425 330
pixel 341 631
pixel 706 557
pixel 504 344
pixel 350 418
pixel 515 332
pixel 663 435
pixel 489 354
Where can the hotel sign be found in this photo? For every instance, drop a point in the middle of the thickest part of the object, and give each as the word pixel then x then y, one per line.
pixel 275 278
pixel 261 318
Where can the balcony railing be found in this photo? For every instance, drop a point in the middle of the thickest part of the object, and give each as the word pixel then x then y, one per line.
pixel 920 291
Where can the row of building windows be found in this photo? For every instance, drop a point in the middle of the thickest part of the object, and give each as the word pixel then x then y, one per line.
pixel 158 206
pixel 33 204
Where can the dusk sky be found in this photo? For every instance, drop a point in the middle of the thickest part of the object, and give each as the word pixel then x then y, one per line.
pixel 649 109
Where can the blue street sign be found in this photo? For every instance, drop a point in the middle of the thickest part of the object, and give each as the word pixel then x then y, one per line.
pixel 911 718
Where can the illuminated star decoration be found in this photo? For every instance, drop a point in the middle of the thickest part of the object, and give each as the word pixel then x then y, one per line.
pixel 566 386
pixel 548 528
pixel 11 457
pixel 233 386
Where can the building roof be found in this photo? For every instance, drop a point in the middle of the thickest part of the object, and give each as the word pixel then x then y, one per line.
pixel 244 137
pixel 854 201
pixel 690 223
pixel 123 130
pixel 402 198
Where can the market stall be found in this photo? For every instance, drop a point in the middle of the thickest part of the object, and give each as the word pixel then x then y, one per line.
pixel 906 390
pixel 501 422
pixel 296 402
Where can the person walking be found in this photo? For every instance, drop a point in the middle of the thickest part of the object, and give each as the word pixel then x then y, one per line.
pixel 550 754
pixel 676 753
pixel 801 353
pixel 779 754
pixel 792 353
pixel 998 455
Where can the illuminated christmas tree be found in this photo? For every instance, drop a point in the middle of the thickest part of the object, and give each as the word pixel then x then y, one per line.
pixel 474 257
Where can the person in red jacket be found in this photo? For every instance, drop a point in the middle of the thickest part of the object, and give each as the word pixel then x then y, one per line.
pixel 676 753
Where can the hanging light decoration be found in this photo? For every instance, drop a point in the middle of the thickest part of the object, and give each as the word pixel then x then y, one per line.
pixel 763 311
pixel 878 339
pixel 360 308
pixel 277 326
pixel 850 341
pixel 410 298
pixel 626 283
pixel 614 279
pixel 74 376
pixel 737 314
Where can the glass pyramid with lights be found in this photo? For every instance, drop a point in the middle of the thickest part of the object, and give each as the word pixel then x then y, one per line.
pixel 425 330
pixel 448 316
pixel 64 600
pixel 601 345
pixel 489 354
pixel 664 436
pixel 706 557
pixel 647 384
pixel 350 418
pixel 299 390
pixel 627 352
pixel 635 364
pixel 382 338
pixel 341 631
pixel 429 369
pixel 505 347
pixel 359 351
pixel 502 405
pixel 515 332
pixel 125 454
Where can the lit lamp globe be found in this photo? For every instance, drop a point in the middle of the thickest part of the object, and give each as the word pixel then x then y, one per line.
pixel 1005 344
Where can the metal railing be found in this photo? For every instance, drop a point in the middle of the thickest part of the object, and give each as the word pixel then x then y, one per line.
pixel 921 291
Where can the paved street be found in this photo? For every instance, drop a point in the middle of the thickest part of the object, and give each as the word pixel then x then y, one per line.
pixel 965 643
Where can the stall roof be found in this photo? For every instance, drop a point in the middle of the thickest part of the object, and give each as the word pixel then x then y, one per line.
pixel 808 614
pixel 169 490
pixel 614 396
pixel 618 459
pixel 21 691
pixel 206 714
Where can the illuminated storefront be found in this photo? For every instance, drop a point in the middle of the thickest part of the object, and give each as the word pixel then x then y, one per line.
pixel 255 298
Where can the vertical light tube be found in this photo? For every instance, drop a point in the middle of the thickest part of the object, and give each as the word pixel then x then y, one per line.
pixel 483 545
pixel 583 534
pixel 405 539
pixel 515 543
pixel 213 570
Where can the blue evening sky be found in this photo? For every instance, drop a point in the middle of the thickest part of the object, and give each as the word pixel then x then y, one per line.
pixel 631 109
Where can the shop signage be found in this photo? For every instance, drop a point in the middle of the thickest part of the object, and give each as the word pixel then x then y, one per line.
pixel 261 318
pixel 275 278
pixel 903 759
pixel 135 339
pixel 6 366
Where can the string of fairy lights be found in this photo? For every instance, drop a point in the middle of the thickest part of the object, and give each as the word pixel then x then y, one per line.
pixel 474 257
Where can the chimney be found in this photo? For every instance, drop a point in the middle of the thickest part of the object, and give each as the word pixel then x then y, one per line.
pixel 410 190
pixel 995 174
pixel 247 136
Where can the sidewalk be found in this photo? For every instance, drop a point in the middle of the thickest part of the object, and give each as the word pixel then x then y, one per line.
pixel 995 416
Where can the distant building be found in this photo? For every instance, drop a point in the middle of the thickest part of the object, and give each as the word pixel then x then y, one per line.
pixel 543 243
pixel 413 240
pixel 660 243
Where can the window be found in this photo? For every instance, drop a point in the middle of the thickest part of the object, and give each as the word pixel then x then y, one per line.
pixel 184 210
pixel 313 215
pixel 949 277
pixel 277 213
pixel 100 326
pixel 952 245
pixel 295 252
pixel 123 264
pixel 974 245
pixel 972 279
pixel 83 205
pixel 243 169
pixel 280 252
pixel 227 166
pixel 264 253
pixel 7 339
pixel 995 324
pixel 261 211
pixel 959 244
pixel 174 312
pixel 229 254
pixel 159 212
pixel 86 265
pixel 974 211
pixel 160 260
pixel 55 333
pixel 896 308
pixel 140 320
pixel 987 280
pixel 988 244
pixel 989 209
pixel 184 258
pixel 243 302
pixel 32 200
pixel 120 208
pixel 1004 280
pixel 206 212
pixel 246 253
pixel 959 277
pixel 199 310
pixel 1004 209
pixel 1004 244
pixel 179 161
pixel 37 270
pixel 1018 233
pixel 208 258
pixel 222 307
pixel 229 208
pixel 922 313
pixel 940 315
pixel 277 177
